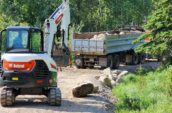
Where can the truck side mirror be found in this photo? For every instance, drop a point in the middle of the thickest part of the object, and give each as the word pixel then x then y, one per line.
pixel 3 40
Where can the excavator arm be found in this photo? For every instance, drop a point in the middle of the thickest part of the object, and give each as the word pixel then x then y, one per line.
pixel 60 17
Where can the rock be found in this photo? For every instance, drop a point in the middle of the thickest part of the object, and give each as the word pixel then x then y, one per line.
pixel 97 77
pixel 107 71
pixel 96 89
pixel 117 72
pixel 112 76
pixel 99 37
pixel 83 89
pixel 106 81
pixel 120 76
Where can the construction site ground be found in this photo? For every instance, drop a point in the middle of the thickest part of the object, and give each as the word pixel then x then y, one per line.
pixel 102 102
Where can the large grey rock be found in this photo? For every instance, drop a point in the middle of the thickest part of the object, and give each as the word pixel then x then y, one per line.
pixel 112 77
pixel 120 76
pixel 107 71
pixel 106 81
pixel 83 89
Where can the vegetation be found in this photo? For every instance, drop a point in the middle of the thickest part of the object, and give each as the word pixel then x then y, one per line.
pixel 150 92
pixel 145 93
pixel 160 26
pixel 94 15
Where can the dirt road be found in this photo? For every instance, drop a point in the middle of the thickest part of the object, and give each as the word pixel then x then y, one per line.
pixel 68 78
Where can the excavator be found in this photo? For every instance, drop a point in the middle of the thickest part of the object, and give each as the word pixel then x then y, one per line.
pixel 28 67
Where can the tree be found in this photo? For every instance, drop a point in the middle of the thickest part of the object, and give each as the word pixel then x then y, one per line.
pixel 95 15
pixel 100 15
pixel 29 12
pixel 160 25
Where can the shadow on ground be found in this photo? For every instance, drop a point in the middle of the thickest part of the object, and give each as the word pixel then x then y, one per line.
pixel 88 104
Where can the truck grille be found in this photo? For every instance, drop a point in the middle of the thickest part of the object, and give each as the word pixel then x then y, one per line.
pixel 41 69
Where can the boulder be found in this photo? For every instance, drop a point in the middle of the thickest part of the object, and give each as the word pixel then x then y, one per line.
pixel 83 89
pixel 107 71
pixel 96 89
pixel 106 80
pixel 120 76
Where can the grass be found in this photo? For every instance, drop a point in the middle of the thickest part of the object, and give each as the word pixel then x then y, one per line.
pixel 145 92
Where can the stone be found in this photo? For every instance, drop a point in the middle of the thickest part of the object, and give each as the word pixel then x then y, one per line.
pixel 107 71
pixel 97 77
pixel 106 81
pixel 83 89
pixel 121 75
pixel 96 89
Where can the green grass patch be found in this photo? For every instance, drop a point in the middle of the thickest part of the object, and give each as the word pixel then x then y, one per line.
pixel 149 92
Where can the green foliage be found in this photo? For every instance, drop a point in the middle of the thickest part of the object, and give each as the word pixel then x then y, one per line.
pixel 160 25
pixel 3 40
pixel 29 12
pixel 146 93
pixel 95 15
pixel 100 15
pixel 5 21
pixel 36 42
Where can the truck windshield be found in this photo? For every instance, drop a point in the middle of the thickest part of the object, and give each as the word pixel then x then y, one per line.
pixel 17 39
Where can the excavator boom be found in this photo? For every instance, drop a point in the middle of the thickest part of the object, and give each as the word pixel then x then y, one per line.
pixel 60 15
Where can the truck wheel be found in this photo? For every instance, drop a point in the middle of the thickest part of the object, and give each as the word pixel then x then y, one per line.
pixel 141 58
pixel 116 61
pixel 135 59
pixel 79 62
pixel 128 59
pixel 110 62
pixel 54 97
pixel 7 97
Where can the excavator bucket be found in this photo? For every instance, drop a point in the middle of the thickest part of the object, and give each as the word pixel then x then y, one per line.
pixel 61 55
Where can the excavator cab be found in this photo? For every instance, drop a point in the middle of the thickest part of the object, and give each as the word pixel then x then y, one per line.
pixel 17 39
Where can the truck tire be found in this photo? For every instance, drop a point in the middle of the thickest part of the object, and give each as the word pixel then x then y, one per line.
pixel 79 62
pixel 110 61
pixel 116 61
pixel 135 59
pixel 141 58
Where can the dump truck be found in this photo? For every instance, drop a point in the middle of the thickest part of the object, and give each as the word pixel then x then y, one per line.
pixel 106 49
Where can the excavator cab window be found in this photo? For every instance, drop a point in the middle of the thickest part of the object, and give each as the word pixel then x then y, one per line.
pixel 21 40
pixel 3 41
pixel 36 41
pixel 18 39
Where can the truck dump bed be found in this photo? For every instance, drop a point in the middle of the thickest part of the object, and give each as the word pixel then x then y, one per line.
pixel 99 43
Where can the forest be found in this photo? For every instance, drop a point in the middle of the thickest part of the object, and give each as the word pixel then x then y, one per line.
pixel 91 15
